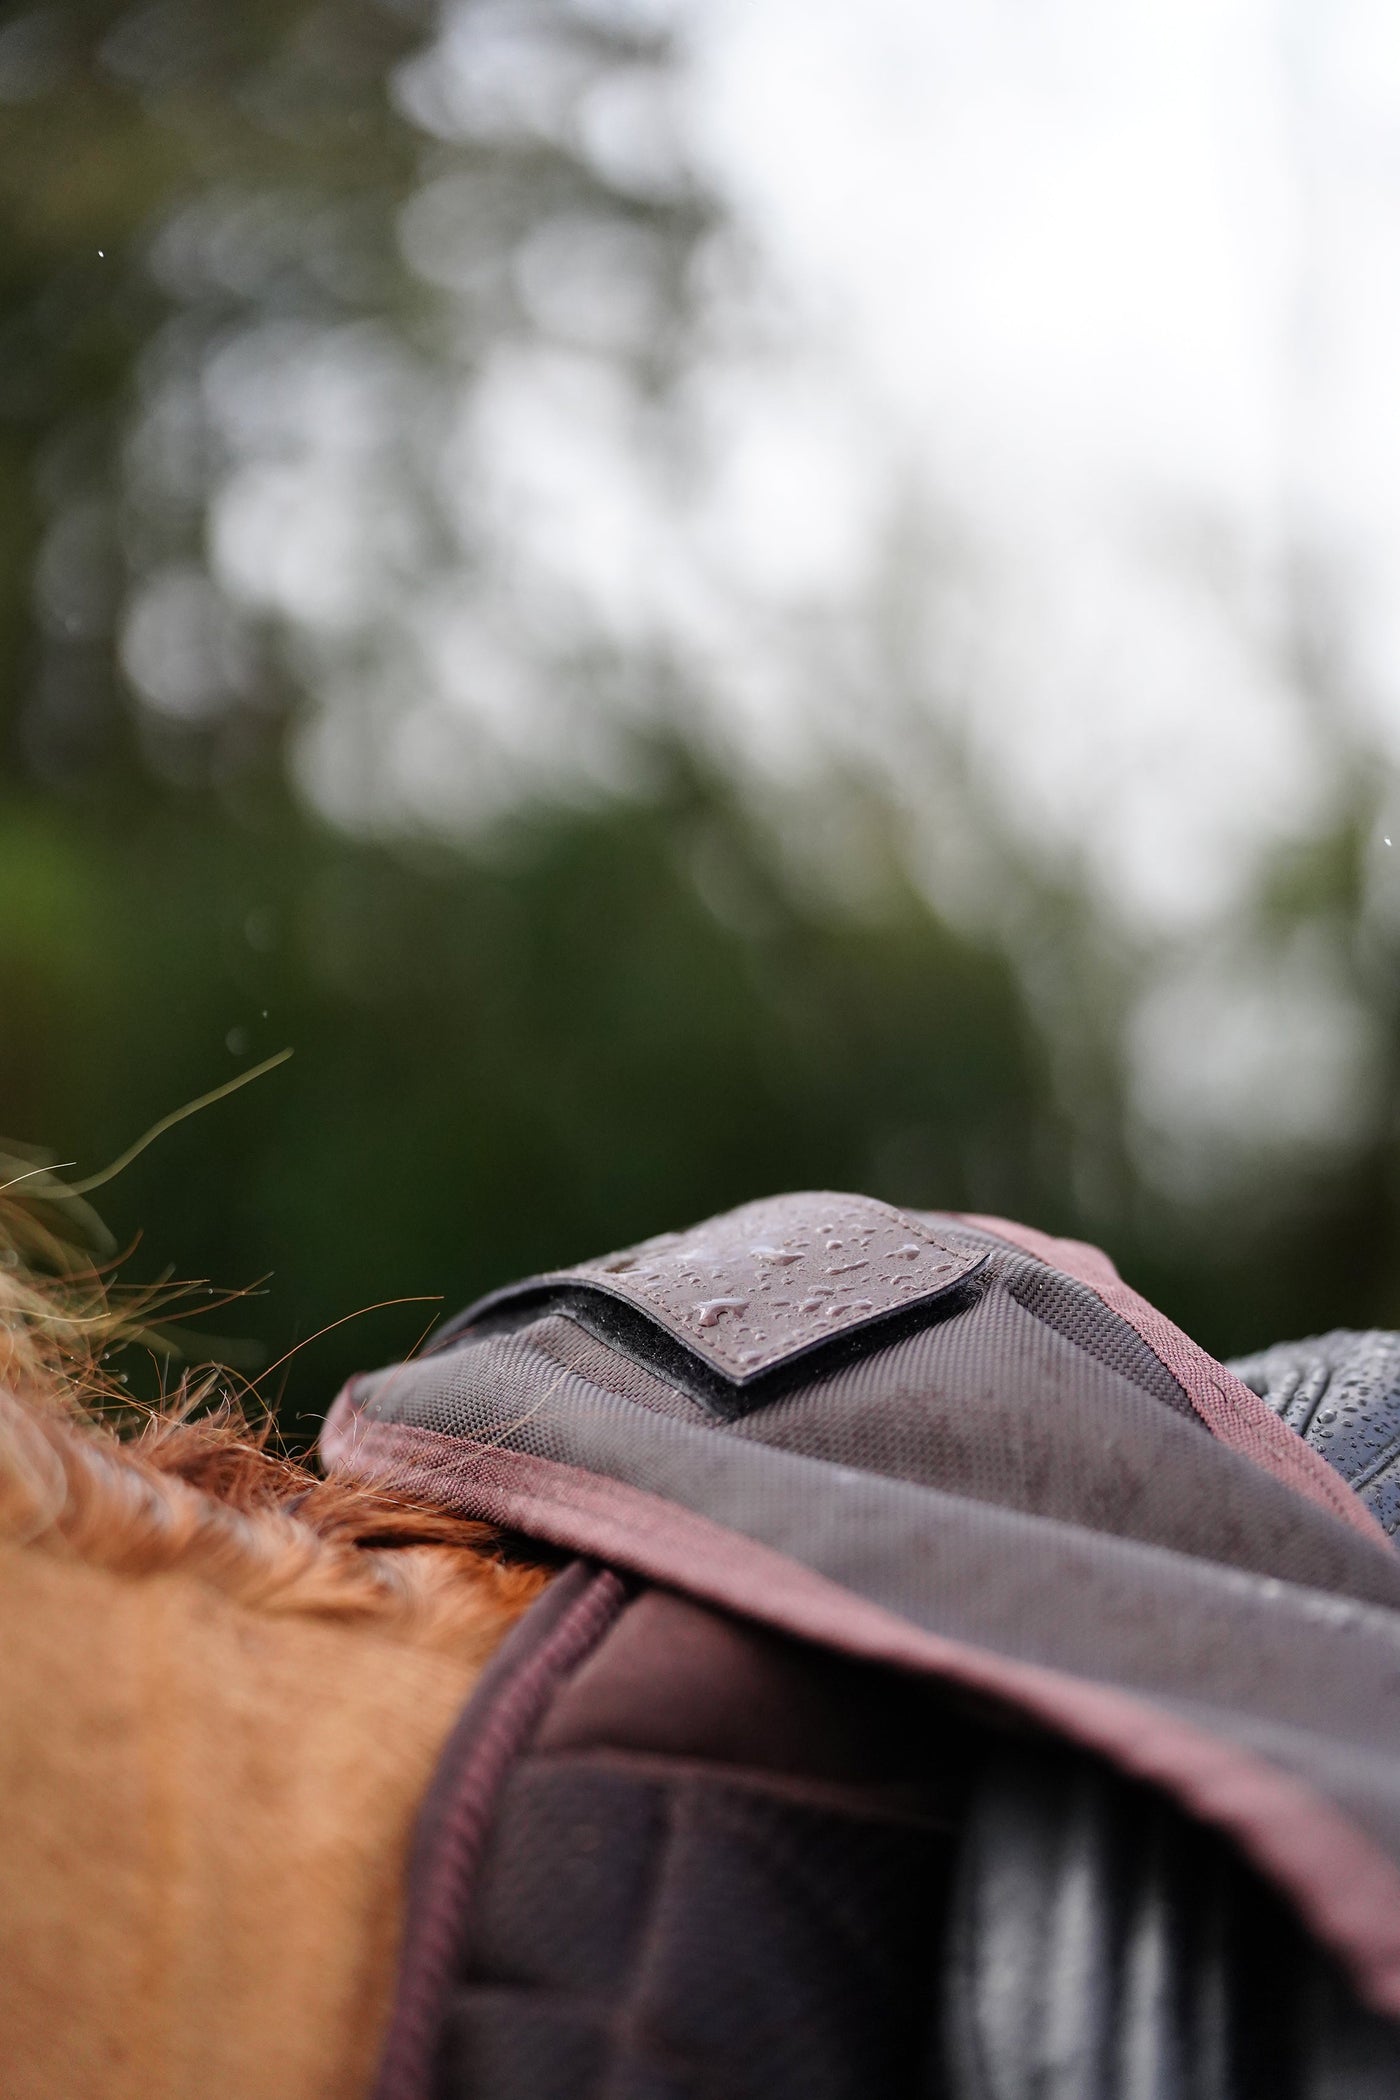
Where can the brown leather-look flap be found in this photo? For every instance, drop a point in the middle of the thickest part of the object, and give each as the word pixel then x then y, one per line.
pixel 750 1292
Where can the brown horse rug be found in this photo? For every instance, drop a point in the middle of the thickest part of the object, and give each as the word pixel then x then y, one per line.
pixel 962 1684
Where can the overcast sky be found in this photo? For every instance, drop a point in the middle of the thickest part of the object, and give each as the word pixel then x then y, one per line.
pixel 1120 285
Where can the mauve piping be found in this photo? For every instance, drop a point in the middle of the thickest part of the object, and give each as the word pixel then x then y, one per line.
pixel 499 1719
pixel 1234 1414
pixel 1343 1885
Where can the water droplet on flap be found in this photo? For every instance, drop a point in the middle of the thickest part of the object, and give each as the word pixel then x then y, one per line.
pixel 710 1311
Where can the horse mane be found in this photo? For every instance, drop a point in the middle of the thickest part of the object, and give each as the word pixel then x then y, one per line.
pixel 196 1486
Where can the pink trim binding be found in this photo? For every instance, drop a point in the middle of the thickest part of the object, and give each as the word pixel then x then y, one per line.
pixel 1342 1884
pixel 432 1940
pixel 1224 1403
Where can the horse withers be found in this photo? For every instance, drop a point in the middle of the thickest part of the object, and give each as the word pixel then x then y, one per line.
pixel 224 1685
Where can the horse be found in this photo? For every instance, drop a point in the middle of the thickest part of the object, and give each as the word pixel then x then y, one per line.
pixel 225 1683
pixel 233 1690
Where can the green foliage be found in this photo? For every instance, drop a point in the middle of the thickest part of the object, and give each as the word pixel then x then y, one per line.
pixel 500 1063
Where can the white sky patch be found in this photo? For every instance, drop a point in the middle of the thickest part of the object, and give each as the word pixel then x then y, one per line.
pixel 1124 286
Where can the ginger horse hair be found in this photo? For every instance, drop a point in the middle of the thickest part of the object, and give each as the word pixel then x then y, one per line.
pixel 225 1684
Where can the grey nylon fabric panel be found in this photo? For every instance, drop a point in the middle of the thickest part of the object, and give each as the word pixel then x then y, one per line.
pixel 1311 1678
pixel 994 1404
pixel 988 1402
pixel 1072 1310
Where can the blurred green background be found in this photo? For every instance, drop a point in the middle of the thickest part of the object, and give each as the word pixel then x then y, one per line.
pixel 562 963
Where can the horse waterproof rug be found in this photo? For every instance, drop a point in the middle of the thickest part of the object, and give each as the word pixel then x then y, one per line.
pixel 956 1683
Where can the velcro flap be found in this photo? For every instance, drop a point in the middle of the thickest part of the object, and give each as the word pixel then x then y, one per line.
pixel 751 1291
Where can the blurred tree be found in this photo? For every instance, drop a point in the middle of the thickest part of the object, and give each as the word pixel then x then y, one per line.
pixel 616 1023
pixel 261 275
pixel 327 336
